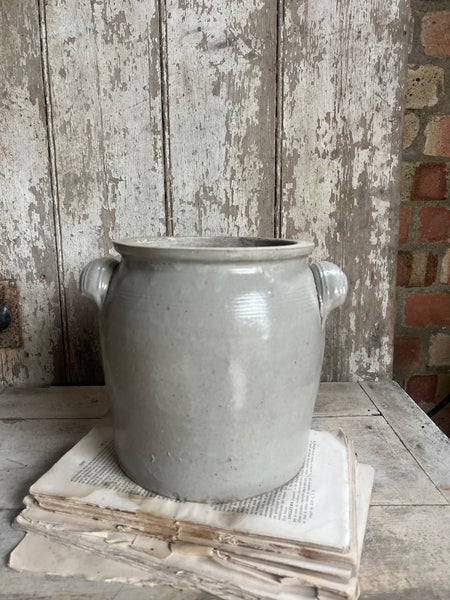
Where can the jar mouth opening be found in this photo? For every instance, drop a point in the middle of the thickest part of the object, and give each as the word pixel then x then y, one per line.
pixel 208 242
pixel 215 246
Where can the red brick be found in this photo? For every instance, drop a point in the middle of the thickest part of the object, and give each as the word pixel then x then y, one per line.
pixel 422 388
pixel 403 268
pixel 443 387
pixel 429 275
pixel 445 269
pixel 429 182
pixel 421 310
pixel 434 224
pixel 437 137
pixel 439 350
pixel 407 352
pixel 436 33
pixel 404 217
pixel 416 268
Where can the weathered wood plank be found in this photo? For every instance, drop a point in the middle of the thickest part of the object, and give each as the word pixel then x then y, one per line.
pixel 342 399
pixel 87 402
pixel 405 555
pixel 29 448
pixel 343 88
pixel 406 546
pixel 399 480
pixel 429 446
pixel 27 238
pixel 104 70
pixel 221 60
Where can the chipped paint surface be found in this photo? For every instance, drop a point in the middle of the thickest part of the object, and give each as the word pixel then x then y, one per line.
pixel 104 70
pixel 227 118
pixel 342 106
pixel 221 91
pixel 27 241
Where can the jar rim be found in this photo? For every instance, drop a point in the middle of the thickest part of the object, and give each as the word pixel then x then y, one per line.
pixel 215 248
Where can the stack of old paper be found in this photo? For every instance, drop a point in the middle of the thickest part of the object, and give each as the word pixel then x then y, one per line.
pixel 302 540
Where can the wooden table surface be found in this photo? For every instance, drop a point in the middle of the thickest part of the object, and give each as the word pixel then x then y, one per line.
pixel 407 545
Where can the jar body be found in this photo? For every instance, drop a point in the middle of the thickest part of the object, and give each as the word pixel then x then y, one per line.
pixel 212 369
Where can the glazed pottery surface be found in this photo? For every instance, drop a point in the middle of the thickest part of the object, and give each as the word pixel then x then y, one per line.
pixel 212 351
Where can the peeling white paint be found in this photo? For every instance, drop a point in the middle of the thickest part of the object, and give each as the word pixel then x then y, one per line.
pixel 27 241
pixel 124 156
pixel 106 92
pixel 222 116
pixel 341 148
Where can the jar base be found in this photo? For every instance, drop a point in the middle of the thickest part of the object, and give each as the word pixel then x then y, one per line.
pixel 152 485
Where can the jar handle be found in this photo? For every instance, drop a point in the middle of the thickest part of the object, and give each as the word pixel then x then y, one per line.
pixel 331 284
pixel 95 279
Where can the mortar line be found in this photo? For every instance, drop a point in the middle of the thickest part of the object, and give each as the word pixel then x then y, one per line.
pixel 54 188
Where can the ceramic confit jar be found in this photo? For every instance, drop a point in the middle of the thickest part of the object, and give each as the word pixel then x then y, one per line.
pixel 212 351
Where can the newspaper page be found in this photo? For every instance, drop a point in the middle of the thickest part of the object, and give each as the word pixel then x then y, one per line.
pixel 315 507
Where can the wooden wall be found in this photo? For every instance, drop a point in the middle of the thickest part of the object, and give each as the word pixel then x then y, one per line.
pixel 155 117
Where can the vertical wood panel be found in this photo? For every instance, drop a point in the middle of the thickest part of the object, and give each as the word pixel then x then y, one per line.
pixel 340 88
pixel 27 242
pixel 104 70
pixel 221 91
pixel 343 88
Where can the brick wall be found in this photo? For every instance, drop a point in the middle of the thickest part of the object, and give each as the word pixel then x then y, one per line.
pixel 422 342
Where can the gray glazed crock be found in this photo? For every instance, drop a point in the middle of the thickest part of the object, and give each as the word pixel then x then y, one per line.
pixel 212 351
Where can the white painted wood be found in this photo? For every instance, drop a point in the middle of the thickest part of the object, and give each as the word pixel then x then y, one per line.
pixel 28 448
pixel 87 402
pixel 104 73
pixel 221 59
pixel 27 241
pixel 426 442
pixel 406 553
pixel 196 117
pixel 399 480
pixel 334 399
pixel 341 399
pixel 342 81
